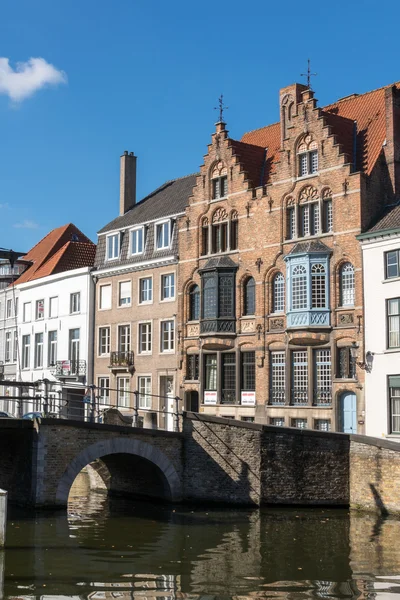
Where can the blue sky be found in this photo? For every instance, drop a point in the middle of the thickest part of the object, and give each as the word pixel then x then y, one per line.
pixel 145 75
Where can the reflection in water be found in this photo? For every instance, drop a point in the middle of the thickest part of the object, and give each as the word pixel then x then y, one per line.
pixel 113 548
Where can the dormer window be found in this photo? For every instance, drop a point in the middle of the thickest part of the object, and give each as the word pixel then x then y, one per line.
pixel 137 240
pixel 163 235
pixel 308 157
pixel 113 246
pixel 219 181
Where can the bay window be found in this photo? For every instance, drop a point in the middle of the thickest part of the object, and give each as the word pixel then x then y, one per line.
pixel 218 300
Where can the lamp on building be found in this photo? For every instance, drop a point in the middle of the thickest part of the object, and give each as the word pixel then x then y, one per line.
pixel 366 365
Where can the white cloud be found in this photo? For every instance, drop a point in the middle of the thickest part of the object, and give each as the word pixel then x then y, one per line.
pixel 28 77
pixel 26 224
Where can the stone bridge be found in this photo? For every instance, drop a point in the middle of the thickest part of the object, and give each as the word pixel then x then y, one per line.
pixel 213 460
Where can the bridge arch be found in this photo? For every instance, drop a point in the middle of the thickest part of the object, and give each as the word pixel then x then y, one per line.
pixel 108 450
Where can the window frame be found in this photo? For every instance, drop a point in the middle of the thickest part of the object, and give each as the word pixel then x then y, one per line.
pixel 249 301
pixel 52 348
pixel 308 156
pixel 125 304
pixel 162 224
pixel 100 340
pixel 51 302
pixel 145 395
pixel 125 390
pixel 132 250
pixel 116 235
pixel 101 387
pixel 170 333
pixel 38 350
pixel 397 252
pixel 38 311
pixel 72 300
pixel 391 397
pixel 148 278
pixel 388 319
pixel 124 337
pixel 148 337
pixel 24 311
pixel 172 286
pixel 347 290
pixel 278 293
pixel 105 285
pixel 217 187
pixel 194 302
pixel 26 351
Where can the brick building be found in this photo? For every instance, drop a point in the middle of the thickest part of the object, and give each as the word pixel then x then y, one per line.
pixel 270 277
pixel 136 301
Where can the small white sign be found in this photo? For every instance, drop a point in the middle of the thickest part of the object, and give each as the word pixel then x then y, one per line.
pixel 248 399
pixel 210 397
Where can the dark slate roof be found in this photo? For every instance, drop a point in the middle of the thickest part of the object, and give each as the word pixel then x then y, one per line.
pixel 390 219
pixel 169 199
pixel 219 262
pixel 310 247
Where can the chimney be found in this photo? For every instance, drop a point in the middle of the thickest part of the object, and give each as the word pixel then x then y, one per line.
pixel 127 182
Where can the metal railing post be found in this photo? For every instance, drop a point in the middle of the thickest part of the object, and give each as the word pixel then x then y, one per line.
pixel 176 414
pixel 135 419
pixel 92 404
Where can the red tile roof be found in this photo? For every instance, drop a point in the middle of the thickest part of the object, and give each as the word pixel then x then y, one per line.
pixel 58 252
pixel 367 109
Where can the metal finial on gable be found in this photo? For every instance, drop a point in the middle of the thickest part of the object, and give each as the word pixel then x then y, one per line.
pixel 308 74
pixel 221 107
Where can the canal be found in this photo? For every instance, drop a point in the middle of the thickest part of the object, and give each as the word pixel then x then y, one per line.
pixel 114 548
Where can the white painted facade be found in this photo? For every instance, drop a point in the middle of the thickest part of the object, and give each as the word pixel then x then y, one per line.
pixel 378 289
pixel 55 317
pixel 8 343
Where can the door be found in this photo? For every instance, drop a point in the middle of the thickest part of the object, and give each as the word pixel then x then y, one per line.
pixel 167 393
pixel 348 412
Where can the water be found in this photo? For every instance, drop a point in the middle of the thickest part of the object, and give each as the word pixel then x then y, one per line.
pixel 111 549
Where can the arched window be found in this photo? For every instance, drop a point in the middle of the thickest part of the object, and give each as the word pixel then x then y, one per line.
pixel 204 236
pixel 327 211
pixel 278 293
pixel 308 156
pixel 318 286
pixel 347 287
pixel 194 303
pixel 219 181
pixel 219 239
pixel 249 304
pixel 234 231
pixel 309 211
pixel 299 287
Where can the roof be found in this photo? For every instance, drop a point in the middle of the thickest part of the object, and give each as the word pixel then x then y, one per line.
pixel 63 249
pixel 367 109
pixel 310 247
pixel 388 222
pixel 169 199
pixel 219 262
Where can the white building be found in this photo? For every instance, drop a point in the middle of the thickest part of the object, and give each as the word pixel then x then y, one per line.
pixel 381 266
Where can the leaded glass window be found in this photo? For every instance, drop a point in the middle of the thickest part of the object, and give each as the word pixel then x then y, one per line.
pixel 278 370
pixel 220 187
pixel 347 286
pixel 322 424
pixel 328 216
pixel 234 242
pixel 194 303
pixel 277 421
pixel 248 371
pixel 219 237
pixel 210 295
pixel 210 361
pixel 249 297
pixel 228 378
pixel 300 377
pixel 291 222
pixel 192 367
pixel 305 220
pixel 303 164
pixel 278 300
pixel 313 161
pixel 226 298
pixel 299 423
pixel 393 316
pixel 323 377
pixel 346 364
pixel 204 239
pixel 318 283
pixel 299 287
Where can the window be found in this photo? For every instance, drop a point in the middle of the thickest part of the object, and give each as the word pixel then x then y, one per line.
pixel 278 377
pixel 278 293
pixel 113 246
pixel 220 187
pixel 73 355
pixel 393 322
pixel 38 361
pixel 394 403
pixel 218 295
pixel 123 391
pixel 291 222
pixel 249 307
pixel 144 385
pixel 308 158
pixel 124 293
pixel 144 338
pixel 309 219
pixel 9 308
pixel 192 367
pixel 299 423
pixel 210 362
pixel 234 234
pixel 346 367
pixel 137 241
pixel 219 238
pixel 104 341
pixel 26 351
pixel 228 378
pixel 248 371
pixel 392 264
pixel 318 291
pixel 167 336
pixel 323 377
pixel 7 354
pixel 204 237
pixel 75 303
pixel 103 384
pixel 322 424
pixel 346 281
pixel 105 297
pixel 277 421
pixel 299 377
pixel 168 286
pixel 124 338
pixel 52 348
pixel 53 307
pixel 194 303
pixel 327 216
pixel 16 306
pixel 145 290
pixel 26 312
pixel 39 310
pixel 209 295
pixel 299 288
pixel 15 347
pixel 163 235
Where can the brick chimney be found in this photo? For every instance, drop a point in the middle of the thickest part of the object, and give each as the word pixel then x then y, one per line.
pixel 127 182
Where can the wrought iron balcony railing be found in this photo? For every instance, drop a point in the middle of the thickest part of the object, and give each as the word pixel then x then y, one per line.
pixel 121 359
pixel 322 396
pixel 70 368
pixel 299 397
pixel 277 396
pixel 228 397
pixel 217 326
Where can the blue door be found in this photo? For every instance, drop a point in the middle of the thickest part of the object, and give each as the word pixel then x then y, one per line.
pixel 348 412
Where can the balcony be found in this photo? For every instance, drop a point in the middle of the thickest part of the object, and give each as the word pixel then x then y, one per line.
pixel 308 318
pixel 277 396
pixel 217 326
pixel 121 360
pixel 70 368
pixel 322 397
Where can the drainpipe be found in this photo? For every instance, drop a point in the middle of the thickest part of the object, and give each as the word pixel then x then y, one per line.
pixel 92 326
